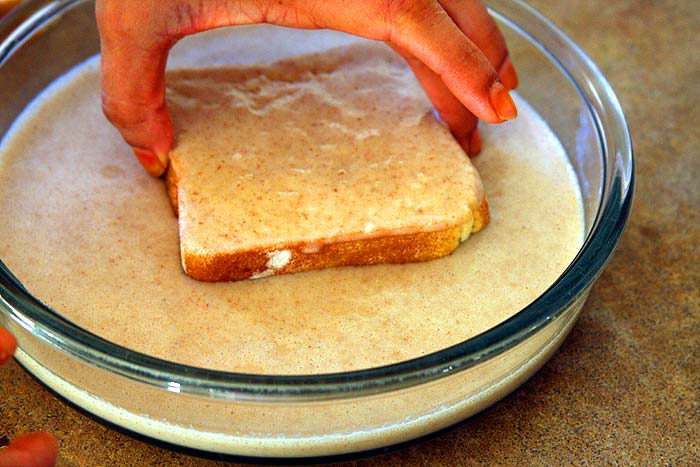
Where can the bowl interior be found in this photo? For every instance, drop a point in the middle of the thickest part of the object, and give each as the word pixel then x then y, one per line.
pixel 556 79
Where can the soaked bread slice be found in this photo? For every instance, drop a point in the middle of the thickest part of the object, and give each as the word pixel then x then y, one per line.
pixel 317 161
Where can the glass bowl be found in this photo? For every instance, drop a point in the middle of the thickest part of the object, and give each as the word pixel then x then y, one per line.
pixel 276 416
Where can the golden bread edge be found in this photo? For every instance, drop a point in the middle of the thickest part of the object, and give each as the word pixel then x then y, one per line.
pixel 390 248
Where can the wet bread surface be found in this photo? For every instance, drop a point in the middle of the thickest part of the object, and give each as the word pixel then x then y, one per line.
pixel 321 160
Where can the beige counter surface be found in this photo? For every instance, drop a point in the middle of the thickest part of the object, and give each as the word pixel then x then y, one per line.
pixel 624 389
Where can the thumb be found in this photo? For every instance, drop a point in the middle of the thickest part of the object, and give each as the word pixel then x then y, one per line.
pixel 134 55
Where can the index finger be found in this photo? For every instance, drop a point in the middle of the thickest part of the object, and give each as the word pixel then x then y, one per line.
pixel 473 18
pixel 425 30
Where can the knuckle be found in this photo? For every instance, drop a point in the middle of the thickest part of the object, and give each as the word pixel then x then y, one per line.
pixel 122 114
pixel 407 11
pixel 115 17
pixel 184 19
pixel 133 21
pixel 110 111
pixel 404 17
pixel 141 124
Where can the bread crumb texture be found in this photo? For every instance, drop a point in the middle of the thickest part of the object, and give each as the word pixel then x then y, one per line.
pixel 317 161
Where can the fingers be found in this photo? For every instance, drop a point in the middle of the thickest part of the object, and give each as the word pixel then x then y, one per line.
pixel 8 345
pixel 474 21
pixel 457 76
pixel 136 37
pixel 33 449
pixel 446 50
pixel 423 29
pixel 462 122
pixel 509 77
pixel 134 53
pixel 472 17
pixel 30 450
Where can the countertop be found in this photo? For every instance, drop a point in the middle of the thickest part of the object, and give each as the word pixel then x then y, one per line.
pixel 624 389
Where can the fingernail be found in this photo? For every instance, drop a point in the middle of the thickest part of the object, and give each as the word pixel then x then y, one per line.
pixel 474 143
pixel 508 75
pixel 153 164
pixel 163 157
pixel 502 102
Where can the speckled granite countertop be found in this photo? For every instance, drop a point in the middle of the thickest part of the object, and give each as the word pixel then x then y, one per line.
pixel 625 387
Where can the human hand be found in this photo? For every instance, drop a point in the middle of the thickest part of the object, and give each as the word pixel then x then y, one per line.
pixel 31 450
pixel 453 46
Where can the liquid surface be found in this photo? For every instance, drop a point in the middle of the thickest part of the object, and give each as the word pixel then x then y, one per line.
pixel 94 237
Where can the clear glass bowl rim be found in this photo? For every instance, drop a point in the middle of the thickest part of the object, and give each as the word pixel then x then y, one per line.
pixel 598 248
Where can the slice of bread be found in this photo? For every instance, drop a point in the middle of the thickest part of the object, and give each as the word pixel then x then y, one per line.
pixel 321 160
